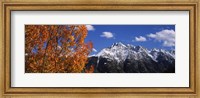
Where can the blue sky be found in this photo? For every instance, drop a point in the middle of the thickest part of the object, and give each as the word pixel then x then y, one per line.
pixel 148 36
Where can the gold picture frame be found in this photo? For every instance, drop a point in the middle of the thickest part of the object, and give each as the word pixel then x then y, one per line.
pixel 96 5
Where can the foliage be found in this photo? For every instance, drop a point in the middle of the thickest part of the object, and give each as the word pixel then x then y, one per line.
pixel 56 48
pixel 90 69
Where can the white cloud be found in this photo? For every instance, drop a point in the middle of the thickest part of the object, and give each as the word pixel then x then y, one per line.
pixel 90 28
pixel 165 36
pixel 107 35
pixel 94 50
pixel 140 39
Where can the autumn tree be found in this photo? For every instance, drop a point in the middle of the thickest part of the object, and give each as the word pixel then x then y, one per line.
pixel 56 48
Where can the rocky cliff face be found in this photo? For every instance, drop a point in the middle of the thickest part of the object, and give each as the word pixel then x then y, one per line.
pixel 120 58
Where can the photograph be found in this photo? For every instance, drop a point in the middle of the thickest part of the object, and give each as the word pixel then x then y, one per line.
pixel 88 48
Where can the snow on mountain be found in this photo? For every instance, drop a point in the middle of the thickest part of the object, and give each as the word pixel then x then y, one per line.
pixel 121 58
pixel 120 52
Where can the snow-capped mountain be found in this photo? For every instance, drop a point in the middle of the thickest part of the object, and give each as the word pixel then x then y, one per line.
pixel 132 59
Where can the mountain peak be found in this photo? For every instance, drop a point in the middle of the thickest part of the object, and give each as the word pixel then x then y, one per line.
pixel 140 48
pixel 118 44
pixel 154 49
pixel 130 45
pixel 120 52
pixel 126 58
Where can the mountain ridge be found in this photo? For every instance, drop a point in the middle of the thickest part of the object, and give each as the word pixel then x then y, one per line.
pixel 131 59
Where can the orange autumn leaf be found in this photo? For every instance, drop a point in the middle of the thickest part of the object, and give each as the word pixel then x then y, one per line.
pixel 56 48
